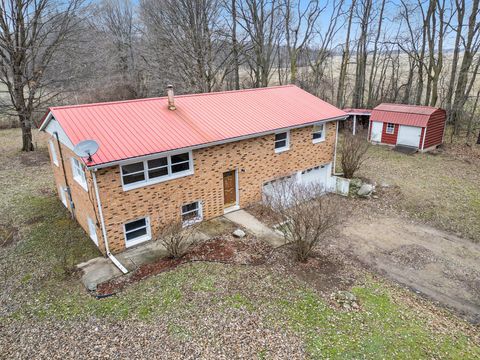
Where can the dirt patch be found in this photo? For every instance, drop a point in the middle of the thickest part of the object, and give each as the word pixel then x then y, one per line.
pixel 436 264
pixel 246 251
pixel 414 256
pixel 34 158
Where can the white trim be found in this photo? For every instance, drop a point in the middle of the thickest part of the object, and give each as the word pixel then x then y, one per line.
pixel 199 209
pixel 92 230
pixel 147 181
pixel 324 133
pixel 117 263
pixel 140 239
pixel 53 152
pixel 354 123
pixel 424 136
pixel 78 173
pixel 390 132
pixel 209 144
pixel 287 142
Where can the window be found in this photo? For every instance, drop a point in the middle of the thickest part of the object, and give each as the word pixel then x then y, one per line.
pixel 282 141
pixel 92 229
pixel 192 213
pixel 79 173
pixel 318 133
pixel 137 231
pixel 53 152
pixel 390 128
pixel 156 170
pixel 63 196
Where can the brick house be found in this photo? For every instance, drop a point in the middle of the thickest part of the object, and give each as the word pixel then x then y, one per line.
pixel 188 157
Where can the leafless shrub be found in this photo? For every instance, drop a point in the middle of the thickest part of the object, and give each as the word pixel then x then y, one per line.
pixel 176 238
pixel 354 153
pixel 305 213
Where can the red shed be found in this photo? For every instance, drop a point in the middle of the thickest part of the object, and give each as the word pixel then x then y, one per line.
pixel 421 127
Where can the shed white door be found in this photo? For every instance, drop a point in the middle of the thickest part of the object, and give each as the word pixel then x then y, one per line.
pixel 376 134
pixel 409 136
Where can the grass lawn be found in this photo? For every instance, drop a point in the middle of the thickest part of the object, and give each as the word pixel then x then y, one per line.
pixel 442 189
pixel 207 309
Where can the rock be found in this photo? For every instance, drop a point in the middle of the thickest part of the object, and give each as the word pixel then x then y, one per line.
pixel 365 190
pixel 239 233
pixel 346 300
pixel 92 286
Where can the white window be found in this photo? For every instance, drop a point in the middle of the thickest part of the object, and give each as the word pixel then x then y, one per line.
pixel 282 141
pixel 137 231
pixel 92 230
pixel 53 152
pixel 79 173
pixel 390 128
pixel 192 213
pixel 63 196
pixel 156 170
pixel 318 133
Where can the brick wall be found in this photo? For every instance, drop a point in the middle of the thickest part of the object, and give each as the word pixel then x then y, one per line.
pixel 83 200
pixel 255 159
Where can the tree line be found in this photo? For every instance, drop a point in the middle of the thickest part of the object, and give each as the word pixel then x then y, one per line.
pixel 352 53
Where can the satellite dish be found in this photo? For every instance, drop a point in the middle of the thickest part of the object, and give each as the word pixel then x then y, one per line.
pixel 86 148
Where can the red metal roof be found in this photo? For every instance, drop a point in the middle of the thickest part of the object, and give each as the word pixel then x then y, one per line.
pixel 410 115
pixel 128 129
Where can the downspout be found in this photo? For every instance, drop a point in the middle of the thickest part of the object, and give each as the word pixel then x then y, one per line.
pixel 69 193
pixel 104 231
pixel 335 149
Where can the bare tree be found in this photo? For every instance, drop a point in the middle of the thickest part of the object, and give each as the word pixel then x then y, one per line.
pixel 307 216
pixel 175 237
pixel 345 59
pixel 354 153
pixel 31 34
pixel 300 20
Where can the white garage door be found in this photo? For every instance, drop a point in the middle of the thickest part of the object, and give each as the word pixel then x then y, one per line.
pixel 316 175
pixel 376 132
pixel 409 136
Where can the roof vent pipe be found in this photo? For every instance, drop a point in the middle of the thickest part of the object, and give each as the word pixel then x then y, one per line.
pixel 171 100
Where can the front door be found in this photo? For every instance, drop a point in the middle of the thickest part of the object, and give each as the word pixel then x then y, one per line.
pixel 229 189
pixel 376 131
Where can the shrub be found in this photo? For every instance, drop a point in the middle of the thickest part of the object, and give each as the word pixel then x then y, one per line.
pixel 354 154
pixel 176 238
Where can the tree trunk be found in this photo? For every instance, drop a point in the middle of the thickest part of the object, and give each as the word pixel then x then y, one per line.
pixel 236 62
pixel 345 60
pixel 27 140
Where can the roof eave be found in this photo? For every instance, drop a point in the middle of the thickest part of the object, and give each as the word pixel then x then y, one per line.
pixel 213 143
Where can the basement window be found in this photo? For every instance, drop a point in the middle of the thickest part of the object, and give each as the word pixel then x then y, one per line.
pixel 282 141
pixel 390 128
pixel 318 133
pixel 79 173
pixel 192 213
pixel 156 170
pixel 53 152
pixel 137 231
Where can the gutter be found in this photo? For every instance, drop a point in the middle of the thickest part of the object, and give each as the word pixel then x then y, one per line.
pixel 104 231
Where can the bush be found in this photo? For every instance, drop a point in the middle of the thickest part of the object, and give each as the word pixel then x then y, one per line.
pixel 307 215
pixel 354 154
pixel 176 238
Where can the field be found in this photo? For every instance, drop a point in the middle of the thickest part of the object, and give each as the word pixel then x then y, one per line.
pixel 279 309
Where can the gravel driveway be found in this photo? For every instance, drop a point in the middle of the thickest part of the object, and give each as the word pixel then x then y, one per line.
pixel 434 263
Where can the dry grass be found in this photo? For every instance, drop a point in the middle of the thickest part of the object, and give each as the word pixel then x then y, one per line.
pixel 442 189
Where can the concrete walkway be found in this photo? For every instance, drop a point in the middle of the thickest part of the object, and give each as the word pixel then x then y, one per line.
pixel 101 269
pixel 256 227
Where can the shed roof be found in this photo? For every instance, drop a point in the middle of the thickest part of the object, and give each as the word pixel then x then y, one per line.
pixel 410 115
pixel 129 129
